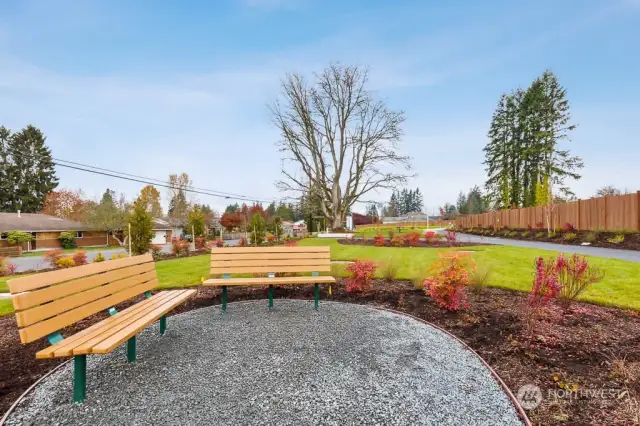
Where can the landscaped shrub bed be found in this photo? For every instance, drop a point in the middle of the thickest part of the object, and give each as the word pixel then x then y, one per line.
pixel 565 235
pixel 385 242
pixel 586 347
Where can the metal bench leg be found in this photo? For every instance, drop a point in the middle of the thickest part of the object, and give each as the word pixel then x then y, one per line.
pixel 224 298
pixel 270 296
pixel 163 324
pixel 316 296
pixel 131 349
pixel 79 378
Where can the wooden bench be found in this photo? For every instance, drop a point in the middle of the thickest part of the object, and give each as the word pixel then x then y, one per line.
pixel 269 260
pixel 46 303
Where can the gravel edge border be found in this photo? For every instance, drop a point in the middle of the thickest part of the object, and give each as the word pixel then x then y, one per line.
pixel 503 385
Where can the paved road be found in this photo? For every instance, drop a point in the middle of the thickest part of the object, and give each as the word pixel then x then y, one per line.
pixel 630 255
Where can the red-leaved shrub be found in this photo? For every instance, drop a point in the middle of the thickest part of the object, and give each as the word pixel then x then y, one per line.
pixel 412 238
pixel 429 236
pixel 80 258
pixel 6 267
pixel 448 281
pixel 539 225
pixel 567 227
pixel 180 248
pixel 575 276
pixel 379 240
pixel 545 287
pixel 291 243
pixel 52 257
pixel 201 243
pixel 451 236
pixel 362 272
pixel 242 242
pixel 219 243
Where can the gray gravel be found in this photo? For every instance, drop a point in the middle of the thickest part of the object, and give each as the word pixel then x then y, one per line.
pixel 342 365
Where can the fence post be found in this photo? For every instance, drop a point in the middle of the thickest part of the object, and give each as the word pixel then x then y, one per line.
pixel 638 209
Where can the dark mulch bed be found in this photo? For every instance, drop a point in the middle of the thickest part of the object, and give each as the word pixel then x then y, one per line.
pixel 593 347
pixel 631 239
pixel 421 243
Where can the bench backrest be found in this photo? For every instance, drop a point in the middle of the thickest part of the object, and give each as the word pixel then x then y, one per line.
pixel 50 301
pixel 242 260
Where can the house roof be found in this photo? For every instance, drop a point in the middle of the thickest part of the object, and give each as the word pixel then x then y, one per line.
pixel 161 224
pixel 35 222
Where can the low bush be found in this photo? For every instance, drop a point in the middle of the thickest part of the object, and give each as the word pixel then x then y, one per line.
pixel 68 239
pixel 590 237
pixel 449 279
pixel 116 256
pixel 291 243
pixel 219 243
pixel 391 234
pixel 52 256
pixel 418 281
pixel 156 251
pixel 201 243
pixel 575 275
pixel 270 237
pixel 65 262
pixel 6 267
pixel 80 258
pixel 397 241
pixel 567 227
pixel 570 236
pixel 429 236
pixel 618 239
pixel 539 225
pixel 390 270
pixel 525 234
pixel 243 241
pixel 479 279
pixel 179 248
pixel 99 258
pixel 379 240
pixel 545 287
pixel 412 239
pixel 451 236
pixel 361 273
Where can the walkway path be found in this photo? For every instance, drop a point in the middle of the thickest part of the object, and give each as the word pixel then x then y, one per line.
pixel 343 364
pixel 631 255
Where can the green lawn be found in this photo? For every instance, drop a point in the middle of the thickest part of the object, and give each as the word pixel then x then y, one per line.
pixel 69 251
pixel 6 307
pixel 370 232
pixel 185 272
pixel 4 288
pixel 512 268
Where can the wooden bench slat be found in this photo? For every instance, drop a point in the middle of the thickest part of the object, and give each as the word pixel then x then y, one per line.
pixel 65 347
pixel 275 263
pixel 220 282
pixel 42 312
pixel 45 279
pixel 261 256
pixel 115 340
pixel 277 249
pixel 33 298
pixel 266 269
pixel 87 346
pixel 41 329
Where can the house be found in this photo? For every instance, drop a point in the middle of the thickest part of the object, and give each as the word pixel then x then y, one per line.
pixel 288 228
pixel 408 218
pixel 166 228
pixel 300 227
pixel 46 229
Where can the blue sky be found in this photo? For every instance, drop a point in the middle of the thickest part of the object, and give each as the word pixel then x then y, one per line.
pixel 159 87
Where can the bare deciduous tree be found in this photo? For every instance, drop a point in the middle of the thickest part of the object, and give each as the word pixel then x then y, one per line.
pixel 341 140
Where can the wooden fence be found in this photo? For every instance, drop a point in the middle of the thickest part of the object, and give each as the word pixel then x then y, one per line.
pixel 405 224
pixel 610 213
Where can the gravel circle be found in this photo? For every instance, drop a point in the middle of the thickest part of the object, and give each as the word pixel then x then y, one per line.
pixel 344 364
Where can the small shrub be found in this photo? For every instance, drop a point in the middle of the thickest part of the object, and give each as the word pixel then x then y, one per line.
pixel 116 256
pixel 201 243
pixel 418 281
pixel 379 240
pixel 567 227
pixel 412 239
pixel 361 273
pixel 524 234
pixel 590 237
pixel 271 238
pixel 429 236
pixel 451 236
pixel 219 243
pixel 243 241
pixel 6 267
pixel 68 239
pixel 570 236
pixel 545 287
pixel 156 251
pixel 575 276
pixel 391 233
pixel 480 279
pixel 291 243
pixel 99 258
pixel 539 225
pixel 618 239
pixel 450 277
pixel 390 270
pixel 65 262
pixel 397 241
pixel 80 258
pixel 52 257
pixel 180 247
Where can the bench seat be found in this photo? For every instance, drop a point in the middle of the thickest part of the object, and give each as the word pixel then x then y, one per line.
pixel 105 336
pixel 219 282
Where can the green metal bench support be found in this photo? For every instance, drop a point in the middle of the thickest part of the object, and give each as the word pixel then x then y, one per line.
pixel 79 378
pixel 270 296
pixel 163 324
pixel 224 298
pixel 316 296
pixel 131 349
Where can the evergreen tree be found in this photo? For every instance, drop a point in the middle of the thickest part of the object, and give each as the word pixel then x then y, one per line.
pixel 257 227
pixel 26 170
pixel 372 212
pixel 141 228
pixel 393 209
pixel 461 204
pixel 195 222
pixel 418 201
pixel 271 209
